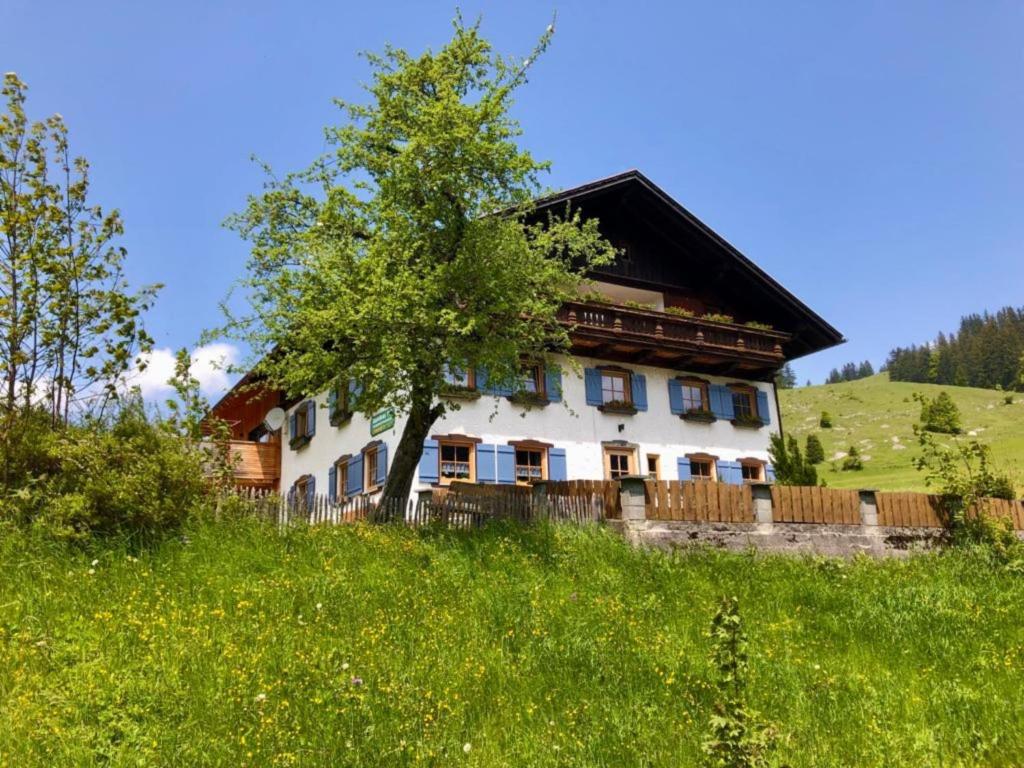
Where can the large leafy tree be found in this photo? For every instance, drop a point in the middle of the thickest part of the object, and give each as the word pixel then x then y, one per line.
pixel 410 246
pixel 69 325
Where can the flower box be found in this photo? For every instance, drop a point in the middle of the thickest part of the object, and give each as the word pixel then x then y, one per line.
pixel 618 406
pixel 701 417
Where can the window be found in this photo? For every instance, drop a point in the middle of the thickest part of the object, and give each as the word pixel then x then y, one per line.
pixel 752 471
pixel 695 396
pixel 618 462
pixel 614 386
pixel 370 460
pixel 530 465
pixel 456 462
pixel 456 377
pixel 301 422
pixel 341 480
pixel 702 469
pixel 653 466
pixel 744 403
pixel 532 380
pixel 303 487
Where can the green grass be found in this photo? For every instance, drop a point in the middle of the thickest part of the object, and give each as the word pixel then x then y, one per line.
pixel 877 415
pixel 542 647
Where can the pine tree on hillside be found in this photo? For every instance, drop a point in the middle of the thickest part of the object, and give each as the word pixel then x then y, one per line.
pixel 786 377
pixel 813 450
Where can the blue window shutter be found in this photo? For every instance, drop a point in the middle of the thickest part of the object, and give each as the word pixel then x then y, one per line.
pixel 482 380
pixel 310 418
pixel 721 401
pixel 486 471
pixel 684 468
pixel 639 386
pixel 429 465
pixel 355 475
pixel 769 473
pixel 592 385
pixel 332 484
pixel 730 472
pixel 762 407
pixel 675 396
pixel 293 424
pixel 310 492
pixel 503 390
pixel 382 464
pixel 553 384
pixel 506 464
pixel 557 469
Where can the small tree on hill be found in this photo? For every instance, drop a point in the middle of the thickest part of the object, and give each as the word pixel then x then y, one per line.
pixel 852 461
pixel 939 414
pixel 814 450
pixel 790 466
pixel 410 249
pixel 825 422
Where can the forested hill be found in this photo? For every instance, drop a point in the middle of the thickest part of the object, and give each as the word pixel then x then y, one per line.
pixel 987 351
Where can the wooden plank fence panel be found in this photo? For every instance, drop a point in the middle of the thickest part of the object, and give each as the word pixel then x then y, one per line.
pixel 814 504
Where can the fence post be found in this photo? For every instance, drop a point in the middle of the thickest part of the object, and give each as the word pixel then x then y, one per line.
pixel 631 497
pixel 868 507
pixel 762 496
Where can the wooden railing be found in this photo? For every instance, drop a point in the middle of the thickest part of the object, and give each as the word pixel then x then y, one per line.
pixel 692 332
pixel 255 464
pixel 814 504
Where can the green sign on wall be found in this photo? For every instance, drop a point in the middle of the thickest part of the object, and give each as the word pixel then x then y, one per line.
pixel 382 421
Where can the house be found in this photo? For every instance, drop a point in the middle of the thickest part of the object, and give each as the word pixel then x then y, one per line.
pixel 674 351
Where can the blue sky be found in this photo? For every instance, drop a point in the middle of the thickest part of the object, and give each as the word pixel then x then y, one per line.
pixel 868 155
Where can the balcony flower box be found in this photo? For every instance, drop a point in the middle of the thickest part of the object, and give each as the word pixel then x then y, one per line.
pixel 454 392
pixel 749 422
pixel 300 441
pixel 619 407
pixel 528 399
pixel 339 417
pixel 699 416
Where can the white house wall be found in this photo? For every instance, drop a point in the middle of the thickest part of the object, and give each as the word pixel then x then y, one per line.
pixel 571 424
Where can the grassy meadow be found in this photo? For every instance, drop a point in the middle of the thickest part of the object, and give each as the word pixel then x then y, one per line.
pixel 877 416
pixel 236 645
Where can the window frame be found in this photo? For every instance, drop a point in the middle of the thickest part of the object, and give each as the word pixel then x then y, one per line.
pixel 629 452
pixel 703 459
pixel 537 377
pixel 301 421
pixel 657 466
pixel 341 477
pixel 453 442
pixel 627 388
pixel 370 484
pixel 301 487
pixel 758 464
pixel 750 393
pixel 470 376
pixel 702 386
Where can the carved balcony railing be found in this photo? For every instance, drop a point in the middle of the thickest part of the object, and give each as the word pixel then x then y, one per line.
pixel 621 325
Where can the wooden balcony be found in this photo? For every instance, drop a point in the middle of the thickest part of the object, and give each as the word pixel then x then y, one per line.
pixel 256 465
pixel 616 332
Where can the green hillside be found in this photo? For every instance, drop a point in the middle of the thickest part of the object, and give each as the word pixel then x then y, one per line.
pixel 877 415
pixel 237 645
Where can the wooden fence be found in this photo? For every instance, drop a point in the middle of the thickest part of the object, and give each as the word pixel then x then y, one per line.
pixel 814 504
pixel 926 510
pixel 698 501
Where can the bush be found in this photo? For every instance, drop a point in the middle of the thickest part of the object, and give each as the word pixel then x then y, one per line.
pixel 825 422
pixel 1007 399
pixel 814 451
pixel 126 475
pixel 852 461
pixel 939 415
pixel 790 466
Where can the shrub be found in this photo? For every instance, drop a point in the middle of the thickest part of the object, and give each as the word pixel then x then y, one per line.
pixel 127 474
pixel 1008 399
pixel 825 422
pixel 852 461
pixel 790 466
pixel 814 451
pixel 758 325
pixel 939 414
pixel 716 317
pixel 680 311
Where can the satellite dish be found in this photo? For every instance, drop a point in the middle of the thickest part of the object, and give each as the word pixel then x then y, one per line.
pixel 274 419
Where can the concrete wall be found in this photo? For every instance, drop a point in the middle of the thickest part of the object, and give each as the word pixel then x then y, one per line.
pixel 570 424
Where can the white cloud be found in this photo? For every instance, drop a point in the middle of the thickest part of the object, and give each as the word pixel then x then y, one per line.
pixel 208 363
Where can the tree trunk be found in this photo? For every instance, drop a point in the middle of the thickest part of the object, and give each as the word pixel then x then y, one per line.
pixel 422 415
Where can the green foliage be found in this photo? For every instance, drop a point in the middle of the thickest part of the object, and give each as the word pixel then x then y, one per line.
pixel 291 645
pixel 939 414
pixel 813 449
pixel 1008 399
pixel 850 372
pixel 715 317
pixel 680 311
pixel 791 468
pixel 825 421
pixel 758 325
pixel 786 377
pixel 852 461
pixel 413 244
pixel 70 328
pixel 736 738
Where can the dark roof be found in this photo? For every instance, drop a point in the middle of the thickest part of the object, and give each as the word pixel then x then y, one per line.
pixel 817 333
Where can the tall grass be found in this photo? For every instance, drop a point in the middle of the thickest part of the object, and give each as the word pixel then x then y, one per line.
pixel 365 646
